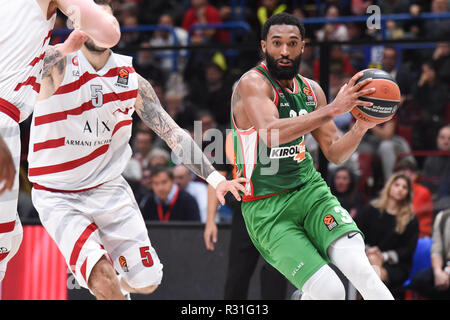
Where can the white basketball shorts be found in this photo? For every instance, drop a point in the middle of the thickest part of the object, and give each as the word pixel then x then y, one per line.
pixel 104 221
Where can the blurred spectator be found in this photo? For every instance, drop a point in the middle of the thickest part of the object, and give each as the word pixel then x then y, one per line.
pixel 357 32
pixel 438 28
pixel 391 231
pixel 158 157
pixel 431 97
pixel 169 202
pixel 129 38
pixel 436 171
pixel 179 110
pixel 441 58
pixel 422 200
pixel 394 6
pixel 342 5
pixel 359 7
pixel 144 190
pixel 383 142
pixel 343 186
pixel 402 75
pixel 332 31
pixel 199 190
pixel 214 95
pixel 394 30
pixel 143 143
pixel 434 282
pixel 164 38
pixel 269 8
pixel 339 62
pixel 146 66
pixel 202 12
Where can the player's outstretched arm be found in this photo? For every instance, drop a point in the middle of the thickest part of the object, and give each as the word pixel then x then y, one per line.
pixel 100 25
pixel 156 118
pixel 335 147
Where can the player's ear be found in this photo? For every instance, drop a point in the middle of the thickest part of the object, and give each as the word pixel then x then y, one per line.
pixel 263 46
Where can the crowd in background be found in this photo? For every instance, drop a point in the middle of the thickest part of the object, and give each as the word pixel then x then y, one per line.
pixel 196 84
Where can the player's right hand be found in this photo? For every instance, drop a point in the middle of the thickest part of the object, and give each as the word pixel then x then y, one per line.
pixel 7 168
pixel 73 43
pixel 210 235
pixel 348 96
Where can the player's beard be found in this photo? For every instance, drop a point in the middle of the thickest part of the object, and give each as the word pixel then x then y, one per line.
pixel 283 73
pixel 90 45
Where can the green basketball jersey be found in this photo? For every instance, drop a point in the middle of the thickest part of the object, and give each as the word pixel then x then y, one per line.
pixel 286 166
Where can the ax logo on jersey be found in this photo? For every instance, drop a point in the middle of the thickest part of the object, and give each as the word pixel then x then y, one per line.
pixel 296 152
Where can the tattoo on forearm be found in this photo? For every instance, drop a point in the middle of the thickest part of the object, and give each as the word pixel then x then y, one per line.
pixel 53 58
pixel 156 118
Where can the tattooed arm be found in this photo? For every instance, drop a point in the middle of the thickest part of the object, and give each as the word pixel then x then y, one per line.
pixel 55 62
pixel 156 118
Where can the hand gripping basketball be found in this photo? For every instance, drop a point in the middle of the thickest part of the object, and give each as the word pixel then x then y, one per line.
pixel 385 99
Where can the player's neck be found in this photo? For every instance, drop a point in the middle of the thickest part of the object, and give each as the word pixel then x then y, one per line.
pixel 96 59
pixel 287 84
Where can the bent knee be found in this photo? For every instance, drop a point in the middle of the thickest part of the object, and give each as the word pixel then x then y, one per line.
pixel 146 290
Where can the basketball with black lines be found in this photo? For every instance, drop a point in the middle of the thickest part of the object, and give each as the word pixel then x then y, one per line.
pixel 385 99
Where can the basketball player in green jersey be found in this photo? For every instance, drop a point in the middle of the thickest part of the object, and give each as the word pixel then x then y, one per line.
pixel 290 214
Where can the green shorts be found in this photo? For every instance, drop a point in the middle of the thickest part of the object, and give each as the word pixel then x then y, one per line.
pixel 293 230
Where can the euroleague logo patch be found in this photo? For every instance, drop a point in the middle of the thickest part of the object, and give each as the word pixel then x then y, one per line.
pixel 123 263
pixel 330 222
pixel 123 76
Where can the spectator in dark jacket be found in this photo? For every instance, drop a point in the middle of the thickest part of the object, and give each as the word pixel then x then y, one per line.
pixel 169 202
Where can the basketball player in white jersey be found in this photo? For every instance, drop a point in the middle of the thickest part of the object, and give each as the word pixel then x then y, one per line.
pixel 79 146
pixel 26 27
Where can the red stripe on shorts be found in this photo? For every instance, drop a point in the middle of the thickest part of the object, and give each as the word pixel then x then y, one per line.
pixel 79 245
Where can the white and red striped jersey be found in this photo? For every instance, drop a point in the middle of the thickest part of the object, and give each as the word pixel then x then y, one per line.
pixel 80 135
pixel 24 37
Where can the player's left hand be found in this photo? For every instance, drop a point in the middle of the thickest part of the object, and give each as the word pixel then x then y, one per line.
pixel 233 186
pixel 73 43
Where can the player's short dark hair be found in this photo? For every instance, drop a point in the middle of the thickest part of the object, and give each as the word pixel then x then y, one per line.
pixel 104 3
pixel 161 169
pixel 282 18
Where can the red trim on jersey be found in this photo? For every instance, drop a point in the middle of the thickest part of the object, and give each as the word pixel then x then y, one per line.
pixel 79 245
pixel 31 81
pixel 62 115
pixel 86 77
pixel 121 124
pixel 69 165
pixel 253 198
pixel 37 59
pixel 49 34
pixel 7 226
pixel 10 110
pixel 39 187
pixel 49 144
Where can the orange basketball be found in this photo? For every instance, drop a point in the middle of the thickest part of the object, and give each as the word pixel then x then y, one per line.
pixel 385 99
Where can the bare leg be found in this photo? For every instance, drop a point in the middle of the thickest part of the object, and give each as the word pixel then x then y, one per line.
pixel 103 281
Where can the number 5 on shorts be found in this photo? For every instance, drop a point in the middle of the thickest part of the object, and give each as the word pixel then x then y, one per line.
pixel 147 260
